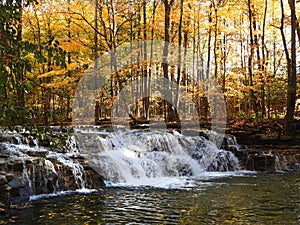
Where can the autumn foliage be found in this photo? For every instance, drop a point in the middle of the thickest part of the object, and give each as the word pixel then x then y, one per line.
pixel 46 46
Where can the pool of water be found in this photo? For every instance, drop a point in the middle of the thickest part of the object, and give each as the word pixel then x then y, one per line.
pixel 248 198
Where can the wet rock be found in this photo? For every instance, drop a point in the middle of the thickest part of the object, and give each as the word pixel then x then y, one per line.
pixel 4 138
pixel 274 160
pixel 2 209
pixel 186 170
pixel 4 194
pixel 89 142
pixel 9 176
pixel 16 165
pixel 230 143
pixel 44 142
pixel 3 180
pixel 288 162
pixel 39 173
pixel 4 153
pixel 263 162
pixel 40 153
pixel 93 179
pixel 223 162
pixel 20 190
pixel 44 176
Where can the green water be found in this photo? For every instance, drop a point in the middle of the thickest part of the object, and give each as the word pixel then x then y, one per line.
pixel 248 199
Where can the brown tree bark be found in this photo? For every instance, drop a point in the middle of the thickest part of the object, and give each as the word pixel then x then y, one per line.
pixel 292 72
pixel 179 54
pixel 19 66
pixel 146 101
pixel 250 64
pixel 168 105
pixel 263 63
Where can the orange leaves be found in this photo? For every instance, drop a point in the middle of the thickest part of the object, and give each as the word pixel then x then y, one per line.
pixel 216 31
pixel 57 83
pixel 59 77
pixel 58 72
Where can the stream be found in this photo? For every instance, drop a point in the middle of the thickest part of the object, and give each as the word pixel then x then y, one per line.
pixel 217 198
pixel 153 177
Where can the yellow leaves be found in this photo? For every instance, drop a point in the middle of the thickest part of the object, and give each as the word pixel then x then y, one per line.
pixel 58 82
pixel 72 66
pixel 59 72
pixel 53 73
pixel 58 77
pixel 71 46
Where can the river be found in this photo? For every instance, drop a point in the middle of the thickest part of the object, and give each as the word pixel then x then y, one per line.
pixel 213 198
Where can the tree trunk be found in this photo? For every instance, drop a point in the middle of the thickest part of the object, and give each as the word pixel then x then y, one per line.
pixel 165 64
pixel 146 101
pixel 216 42
pixel 97 103
pixel 263 64
pixel 47 94
pixel 257 46
pixel 250 64
pixel 151 54
pixel 206 76
pixel 179 54
pixel 298 29
pixel 291 92
pixel 68 107
pixel 20 66
pixel 209 44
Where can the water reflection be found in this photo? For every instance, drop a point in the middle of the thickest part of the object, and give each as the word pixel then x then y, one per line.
pixel 263 199
pixel 252 199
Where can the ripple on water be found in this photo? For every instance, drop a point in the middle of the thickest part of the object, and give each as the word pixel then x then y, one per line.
pixel 245 199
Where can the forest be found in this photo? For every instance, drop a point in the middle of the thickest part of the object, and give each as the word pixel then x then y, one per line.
pixel 149 112
pixel 249 47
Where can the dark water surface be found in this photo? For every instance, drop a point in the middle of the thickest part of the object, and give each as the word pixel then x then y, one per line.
pixel 248 199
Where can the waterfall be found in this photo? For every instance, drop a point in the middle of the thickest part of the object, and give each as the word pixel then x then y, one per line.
pixel 95 158
pixel 136 157
pixel 34 170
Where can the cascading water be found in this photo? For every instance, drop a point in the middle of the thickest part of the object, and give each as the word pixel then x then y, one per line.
pixel 35 170
pixel 125 157
pixel 150 157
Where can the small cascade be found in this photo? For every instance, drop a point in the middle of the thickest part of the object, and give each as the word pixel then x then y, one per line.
pixel 77 171
pixel 230 143
pixel 129 157
pixel 27 140
pixel 33 170
pixel 71 145
pixel 140 157
pixel 286 163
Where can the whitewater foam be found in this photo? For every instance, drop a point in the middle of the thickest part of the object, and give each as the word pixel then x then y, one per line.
pixel 152 158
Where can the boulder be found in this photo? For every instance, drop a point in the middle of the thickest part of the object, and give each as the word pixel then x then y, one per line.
pixel 4 194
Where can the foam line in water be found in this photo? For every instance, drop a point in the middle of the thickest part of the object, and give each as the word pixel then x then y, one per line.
pixel 60 193
pixel 202 180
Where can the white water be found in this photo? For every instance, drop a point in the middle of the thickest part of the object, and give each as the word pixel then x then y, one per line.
pixel 163 159
pixel 59 193
pixel 153 158
pixel 38 174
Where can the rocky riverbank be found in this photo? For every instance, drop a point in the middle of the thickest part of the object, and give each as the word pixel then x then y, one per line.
pixel 264 146
pixel 48 161
pixel 27 170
